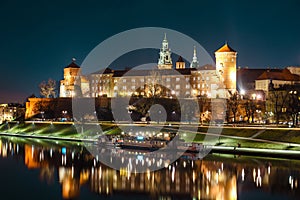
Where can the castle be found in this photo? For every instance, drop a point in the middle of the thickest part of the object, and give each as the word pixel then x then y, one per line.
pixel 181 82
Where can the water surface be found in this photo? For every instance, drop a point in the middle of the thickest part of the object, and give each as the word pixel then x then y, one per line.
pixel 40 169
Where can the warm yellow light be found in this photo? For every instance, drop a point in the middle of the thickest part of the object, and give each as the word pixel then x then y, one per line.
pixel 258 96
pixel 242 92
pixel 233 76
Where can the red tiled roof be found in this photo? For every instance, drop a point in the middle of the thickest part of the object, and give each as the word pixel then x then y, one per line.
pixel 225 48
pixel 284 75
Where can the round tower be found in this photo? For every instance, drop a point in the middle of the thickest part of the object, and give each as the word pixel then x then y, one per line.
pixel 67 85
pixel 226 66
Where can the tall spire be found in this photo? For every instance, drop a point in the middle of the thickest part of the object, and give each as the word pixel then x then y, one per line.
pixel 194 63
pixel 165 44
pixel 195 55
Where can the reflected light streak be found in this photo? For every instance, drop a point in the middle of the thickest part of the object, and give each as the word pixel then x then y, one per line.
pixel 243 174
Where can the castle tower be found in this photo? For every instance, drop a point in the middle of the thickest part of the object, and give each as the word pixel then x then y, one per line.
pixel 226 66
pixel 165 60
pixel 67 85
pixel 180 64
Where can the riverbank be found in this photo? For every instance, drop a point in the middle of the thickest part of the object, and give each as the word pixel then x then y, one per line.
pixel 262 141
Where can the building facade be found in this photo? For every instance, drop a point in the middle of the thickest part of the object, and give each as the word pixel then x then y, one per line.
pixel 276 79
pixel 10 112
pixel 163 80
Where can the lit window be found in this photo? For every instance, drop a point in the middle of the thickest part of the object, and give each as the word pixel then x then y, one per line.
pixel 177 87
pixel 187 86
pixel 177 79
pixel 124 80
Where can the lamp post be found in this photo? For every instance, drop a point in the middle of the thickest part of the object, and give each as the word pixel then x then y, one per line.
pixel 43 117
pixel 64 112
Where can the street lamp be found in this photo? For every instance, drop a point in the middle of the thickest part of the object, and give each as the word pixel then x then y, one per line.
pixel 64 112
pixel 242 92
pixel 42 112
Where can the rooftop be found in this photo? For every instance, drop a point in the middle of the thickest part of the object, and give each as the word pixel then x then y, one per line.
pixel 284 75
pixel 226 48
pixel 72 65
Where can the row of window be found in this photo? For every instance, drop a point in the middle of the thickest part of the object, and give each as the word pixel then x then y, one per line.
pixel 133 87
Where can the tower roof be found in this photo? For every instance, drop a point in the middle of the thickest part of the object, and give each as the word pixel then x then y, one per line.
pixel 226 48
pixel 180 59
pixel 73 64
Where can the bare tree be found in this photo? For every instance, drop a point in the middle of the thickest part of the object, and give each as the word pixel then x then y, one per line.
pixel 153 88
pixel 47 89
pixel 277 99
pixel 250 109
pixel 233 104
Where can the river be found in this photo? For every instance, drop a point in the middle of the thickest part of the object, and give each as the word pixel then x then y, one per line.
pixel 49 169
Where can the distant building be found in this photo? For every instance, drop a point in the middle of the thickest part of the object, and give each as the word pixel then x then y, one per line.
pixel 276 78
pixel 246 77
pixel 294 69
pixel 181 82
pixel 10 112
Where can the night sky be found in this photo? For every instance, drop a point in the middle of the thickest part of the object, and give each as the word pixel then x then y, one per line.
pixel 39 38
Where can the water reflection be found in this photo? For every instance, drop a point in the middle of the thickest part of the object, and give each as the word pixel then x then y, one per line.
pixel 215 177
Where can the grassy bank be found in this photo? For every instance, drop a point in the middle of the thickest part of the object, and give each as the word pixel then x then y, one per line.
pixel 251 137
pixel 61 130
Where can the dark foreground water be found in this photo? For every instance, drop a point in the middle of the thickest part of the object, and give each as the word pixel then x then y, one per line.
pixel 38 169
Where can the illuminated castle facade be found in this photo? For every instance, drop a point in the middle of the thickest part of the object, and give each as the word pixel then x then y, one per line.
pixel 162 81
pixel 67 85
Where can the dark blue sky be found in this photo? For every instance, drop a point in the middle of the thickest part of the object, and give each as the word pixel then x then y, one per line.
pixel 39 38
